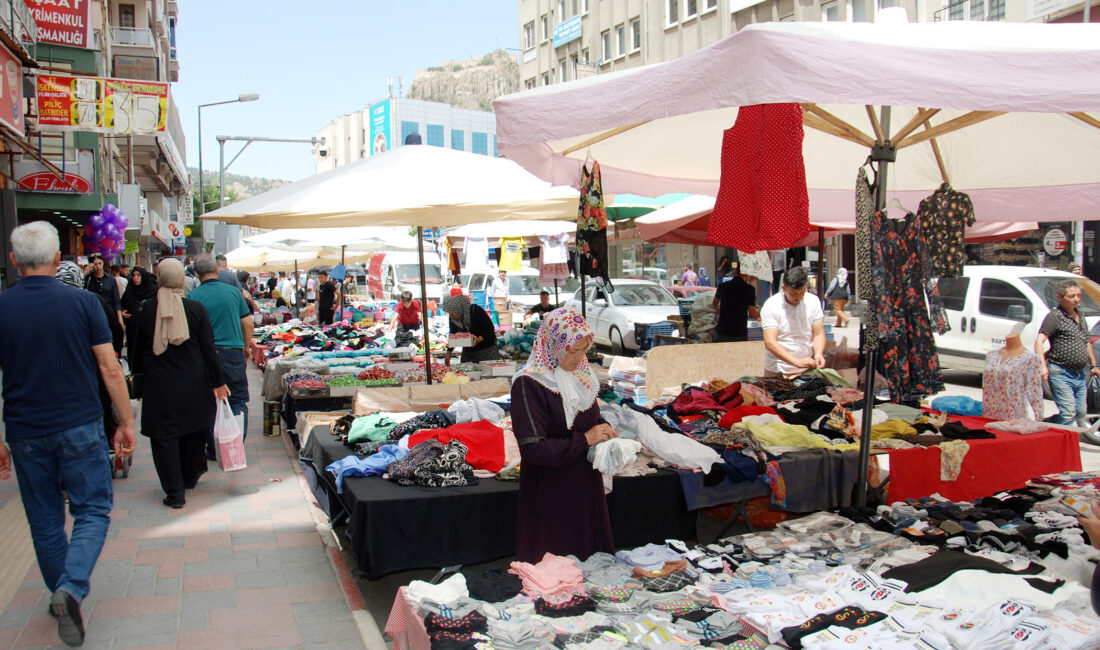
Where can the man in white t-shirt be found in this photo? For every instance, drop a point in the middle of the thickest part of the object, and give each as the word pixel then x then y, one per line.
pixel 794 328
pixel 311 290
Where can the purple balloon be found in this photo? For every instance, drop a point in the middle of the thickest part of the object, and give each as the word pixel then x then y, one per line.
pixel 123 221
pixel 108 256
pixel 110 210
pixel 87 241
pixel 96 221
pixel 110 231
pixel 105 244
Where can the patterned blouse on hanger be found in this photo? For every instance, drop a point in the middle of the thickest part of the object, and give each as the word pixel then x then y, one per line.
pixel 1010 384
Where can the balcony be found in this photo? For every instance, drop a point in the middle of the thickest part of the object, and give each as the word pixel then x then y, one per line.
pixel 131 36
pixel 17 25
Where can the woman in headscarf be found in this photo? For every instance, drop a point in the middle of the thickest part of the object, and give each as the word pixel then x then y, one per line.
pixel 472 319
pixel 142 287
pixel 838 293
pixel 175 351
pixel 280 301
pixel 704 277
pixel 562 507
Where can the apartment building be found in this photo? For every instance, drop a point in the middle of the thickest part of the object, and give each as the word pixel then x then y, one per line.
pixel 97 124
pixel 385 124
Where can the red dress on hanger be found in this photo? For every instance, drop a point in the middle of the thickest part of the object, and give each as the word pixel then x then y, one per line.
pixel 762 201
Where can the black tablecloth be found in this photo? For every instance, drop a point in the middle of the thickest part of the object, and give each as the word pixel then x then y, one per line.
pixel 398 528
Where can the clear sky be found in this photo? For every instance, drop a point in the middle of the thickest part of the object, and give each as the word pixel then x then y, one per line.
pixel 311 62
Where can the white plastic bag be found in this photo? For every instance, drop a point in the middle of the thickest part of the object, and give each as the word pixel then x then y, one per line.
pixel 229 438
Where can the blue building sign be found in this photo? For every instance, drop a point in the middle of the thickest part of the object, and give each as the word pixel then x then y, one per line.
pixel 568 31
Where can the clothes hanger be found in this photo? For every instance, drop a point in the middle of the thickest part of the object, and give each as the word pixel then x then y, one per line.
pixel 588 157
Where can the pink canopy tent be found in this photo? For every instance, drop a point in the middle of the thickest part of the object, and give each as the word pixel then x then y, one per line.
pixel 997 109
pixel 686 221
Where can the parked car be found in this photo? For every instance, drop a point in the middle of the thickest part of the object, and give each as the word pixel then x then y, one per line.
pixel 985 301
pixel 688 292
pixel 612 316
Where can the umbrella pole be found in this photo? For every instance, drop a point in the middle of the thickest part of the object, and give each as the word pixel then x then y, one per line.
pixel 424 307
pixel 884 153
pixel 344 281
pixel 555 291
pixel 821 264
pixel 297 310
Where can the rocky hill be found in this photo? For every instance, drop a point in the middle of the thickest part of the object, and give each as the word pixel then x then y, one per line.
pixel 472 84
pixel 241 187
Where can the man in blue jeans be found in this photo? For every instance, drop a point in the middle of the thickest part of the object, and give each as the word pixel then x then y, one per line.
pixel 54 341
pixel 1070 359
pixel 232 322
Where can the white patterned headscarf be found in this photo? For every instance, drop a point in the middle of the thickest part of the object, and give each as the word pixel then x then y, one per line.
pixel 561 329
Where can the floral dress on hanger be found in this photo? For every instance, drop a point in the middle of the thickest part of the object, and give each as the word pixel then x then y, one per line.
pixel 901 272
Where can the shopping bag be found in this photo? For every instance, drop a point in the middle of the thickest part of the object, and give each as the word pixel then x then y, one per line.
pixel 1092 395
pixel 229 439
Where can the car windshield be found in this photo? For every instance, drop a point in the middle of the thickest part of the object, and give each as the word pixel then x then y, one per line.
pixel 564 286
pixel 411 273
pixel 519 285
pixel 642 295
pixel 1047 285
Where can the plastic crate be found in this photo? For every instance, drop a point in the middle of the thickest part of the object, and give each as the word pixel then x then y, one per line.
pixel 644 333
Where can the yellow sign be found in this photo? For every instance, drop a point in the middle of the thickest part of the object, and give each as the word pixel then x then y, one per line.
pixel 186 232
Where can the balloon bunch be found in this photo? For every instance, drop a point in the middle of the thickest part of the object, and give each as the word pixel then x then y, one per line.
pixel 105 232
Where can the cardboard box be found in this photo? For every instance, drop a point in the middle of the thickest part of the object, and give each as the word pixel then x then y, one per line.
pixel 498 368
pixel 504 318
pixel 500 304
pixel 460 340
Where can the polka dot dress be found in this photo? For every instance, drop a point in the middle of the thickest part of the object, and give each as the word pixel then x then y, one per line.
pixel 762 201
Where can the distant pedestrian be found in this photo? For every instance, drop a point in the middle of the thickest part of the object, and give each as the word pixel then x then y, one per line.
pixel 97 280
pixel 689 278
pixel 121 280
pixel 1070 359
pixel 328 298
pixel 232 323
pixel 225 275
pixel 55 342
pixel 704 277
pixel 143 286
pixel 838 294
pixel 175 354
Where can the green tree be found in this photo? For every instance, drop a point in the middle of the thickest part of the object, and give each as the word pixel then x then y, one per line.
pixel 210 194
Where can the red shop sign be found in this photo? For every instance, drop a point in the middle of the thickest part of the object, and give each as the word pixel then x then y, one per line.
pixel 48 182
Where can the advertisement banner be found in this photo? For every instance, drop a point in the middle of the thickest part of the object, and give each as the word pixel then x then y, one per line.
pixel 380 133
pixel 117 106
pixel 63 22
pixel 11 91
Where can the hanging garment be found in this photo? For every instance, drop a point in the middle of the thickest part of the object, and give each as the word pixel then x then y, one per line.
pixel 553 258
pixel 757 265
pixel 944 217
pixel 1009 385
pixel 865 212
pixel 453 264
pixel 477 253
pixel 511 254
pixel 762 201
pixel 902 274
pixel 592 227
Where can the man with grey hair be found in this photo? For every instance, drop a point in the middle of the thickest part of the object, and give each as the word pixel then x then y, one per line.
pixel 1070 359
pixel 231 320
pixel 225 275
pixel 55 341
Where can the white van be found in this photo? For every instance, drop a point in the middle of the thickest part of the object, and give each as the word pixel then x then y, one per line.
pixel 523 286
pixel 400 271
pixel 983 304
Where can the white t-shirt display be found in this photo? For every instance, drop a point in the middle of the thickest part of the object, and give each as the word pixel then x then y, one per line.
pixel 477 252
pixel 795 325
pixel 555 248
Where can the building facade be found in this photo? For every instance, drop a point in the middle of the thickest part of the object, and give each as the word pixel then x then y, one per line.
pixel 385 124
pixel 100 125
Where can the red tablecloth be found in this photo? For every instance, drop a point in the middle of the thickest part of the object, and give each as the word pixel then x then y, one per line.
pixel 405 626
pixel 991 465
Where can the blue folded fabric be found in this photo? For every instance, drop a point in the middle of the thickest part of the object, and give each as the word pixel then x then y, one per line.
pixel 373 465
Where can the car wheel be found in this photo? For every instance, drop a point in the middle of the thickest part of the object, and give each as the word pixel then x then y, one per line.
pixel 617 346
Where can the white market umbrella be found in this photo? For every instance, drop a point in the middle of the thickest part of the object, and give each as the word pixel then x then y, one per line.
pixel 1022 94
pixel 360 238
pixel 418 185
pixel 257 259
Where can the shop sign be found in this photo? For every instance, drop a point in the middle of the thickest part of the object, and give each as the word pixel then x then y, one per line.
pixel 568 31
pixel 529 55
pixel 1054 243
pixel 104 105
pixel 63 22
pixel 174 229
pixel 1039 8
pixel 11 91
pixel 49 182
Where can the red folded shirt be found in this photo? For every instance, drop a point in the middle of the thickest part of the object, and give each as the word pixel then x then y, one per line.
pixel 484 440
pixel 735 415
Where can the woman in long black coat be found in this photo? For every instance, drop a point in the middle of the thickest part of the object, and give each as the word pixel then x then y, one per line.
pixel 562 507
pixel 174 351
pixel 142 287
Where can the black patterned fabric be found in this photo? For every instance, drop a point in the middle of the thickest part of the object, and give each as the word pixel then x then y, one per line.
pixel 671 582
pixel 865 210
pixel 438 419
pixel 575 606
pixel 433 464
pixel 944 217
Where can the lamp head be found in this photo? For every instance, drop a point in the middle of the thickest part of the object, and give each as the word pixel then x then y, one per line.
pixel 248 97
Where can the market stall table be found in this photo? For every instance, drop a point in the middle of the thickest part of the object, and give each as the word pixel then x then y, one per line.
pixel 398 528
pixel 990 466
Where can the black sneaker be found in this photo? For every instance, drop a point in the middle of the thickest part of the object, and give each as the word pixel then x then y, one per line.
pixel 70 624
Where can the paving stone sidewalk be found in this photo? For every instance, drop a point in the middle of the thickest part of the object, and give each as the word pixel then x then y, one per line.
pixel 243 564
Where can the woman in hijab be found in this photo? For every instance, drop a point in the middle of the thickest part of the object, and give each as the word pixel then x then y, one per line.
pixel 280 301
pixel 704 277
pixel 175 351
pixel 562 508
pixel 838 293
pixel 142 287
pixel 472 319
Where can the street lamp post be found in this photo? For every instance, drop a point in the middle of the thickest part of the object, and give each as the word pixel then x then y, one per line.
pixel 245 97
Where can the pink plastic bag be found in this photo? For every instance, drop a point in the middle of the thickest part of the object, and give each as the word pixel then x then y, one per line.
pixel 229 439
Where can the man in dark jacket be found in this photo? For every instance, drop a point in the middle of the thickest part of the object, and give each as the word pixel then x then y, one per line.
pixel 97 280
